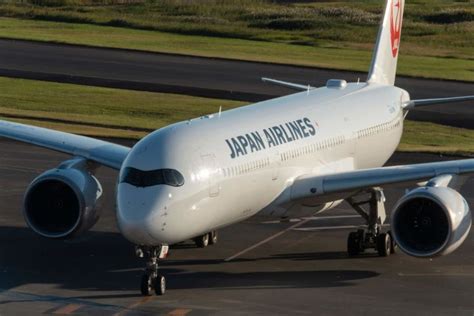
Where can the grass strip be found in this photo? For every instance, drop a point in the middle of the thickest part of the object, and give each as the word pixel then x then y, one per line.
pixel 436 138
pixel 439 28
pixel 231 48
pixel 92 131
pixel 101 107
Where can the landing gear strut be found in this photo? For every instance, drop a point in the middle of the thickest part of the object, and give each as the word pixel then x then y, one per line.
pixel 371 237
pixel 152 280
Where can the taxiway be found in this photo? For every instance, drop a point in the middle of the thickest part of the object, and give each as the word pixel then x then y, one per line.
pixel 260 266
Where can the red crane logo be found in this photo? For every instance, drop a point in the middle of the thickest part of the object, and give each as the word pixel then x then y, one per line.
pixel 396 25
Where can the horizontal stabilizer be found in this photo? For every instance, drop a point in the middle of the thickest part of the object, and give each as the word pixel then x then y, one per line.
pixel 290 85
pixel 423 102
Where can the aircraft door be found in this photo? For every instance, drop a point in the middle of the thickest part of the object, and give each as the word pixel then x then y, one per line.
pixel 209 164
pixel 275 161
pixel 350 136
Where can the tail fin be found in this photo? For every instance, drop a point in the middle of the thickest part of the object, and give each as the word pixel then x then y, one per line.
pixel 384 61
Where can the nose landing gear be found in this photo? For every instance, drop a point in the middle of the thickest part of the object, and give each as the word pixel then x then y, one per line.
pixel 152 280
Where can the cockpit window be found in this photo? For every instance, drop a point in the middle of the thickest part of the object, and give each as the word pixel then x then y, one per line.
pixel 149 178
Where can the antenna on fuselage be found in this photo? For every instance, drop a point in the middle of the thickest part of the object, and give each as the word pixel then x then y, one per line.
pixel 220 110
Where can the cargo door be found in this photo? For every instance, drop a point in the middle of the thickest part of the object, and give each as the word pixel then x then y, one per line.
pixel 209 165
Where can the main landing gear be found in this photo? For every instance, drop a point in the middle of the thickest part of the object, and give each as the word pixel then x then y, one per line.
pixel 205 240
pixel 152 280
pixel 372 237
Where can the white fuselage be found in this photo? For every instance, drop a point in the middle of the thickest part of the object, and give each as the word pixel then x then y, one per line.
pixel 237 163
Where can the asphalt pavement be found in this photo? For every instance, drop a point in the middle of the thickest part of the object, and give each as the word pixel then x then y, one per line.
pixel 260 266
pixel 297 268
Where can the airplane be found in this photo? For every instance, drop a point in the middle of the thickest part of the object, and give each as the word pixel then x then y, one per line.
pixel 295 155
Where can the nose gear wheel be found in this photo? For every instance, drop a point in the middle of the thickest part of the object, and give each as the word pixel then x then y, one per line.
pixel 152 280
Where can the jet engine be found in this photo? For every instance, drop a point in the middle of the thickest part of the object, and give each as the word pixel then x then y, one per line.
pixel 431 221
pixel 63 202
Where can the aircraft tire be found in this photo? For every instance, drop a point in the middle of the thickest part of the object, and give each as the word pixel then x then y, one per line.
pixel 213 237
pixel 202 241
pixel 160 285
pixel 147 285
pixel 353 244
pixel 393 246
pixel 384 244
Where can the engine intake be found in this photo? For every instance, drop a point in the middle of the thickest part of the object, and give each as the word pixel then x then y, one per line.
pixel 63 202
pixel 431 221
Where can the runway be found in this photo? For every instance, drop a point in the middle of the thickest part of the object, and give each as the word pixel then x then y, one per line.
pixel 217 78
pixel 297 268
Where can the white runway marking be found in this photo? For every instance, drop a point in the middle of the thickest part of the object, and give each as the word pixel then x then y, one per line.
pixel 299 222
pixel 310 229
pixel 266 240
pixel 436 274
pixel 332 217
pixel 312 218
pixel 316 228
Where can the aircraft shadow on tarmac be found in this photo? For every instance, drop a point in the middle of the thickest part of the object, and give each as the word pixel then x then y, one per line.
pixel 315 256
pixel 104 261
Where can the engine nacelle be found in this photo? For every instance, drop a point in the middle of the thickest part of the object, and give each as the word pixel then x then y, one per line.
pixel 431 221
pixel 63 202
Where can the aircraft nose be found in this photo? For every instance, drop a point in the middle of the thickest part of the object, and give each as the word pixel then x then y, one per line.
pixel 138 214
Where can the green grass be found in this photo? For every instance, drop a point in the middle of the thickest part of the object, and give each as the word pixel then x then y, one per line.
pixel 92 131
pixel 109 112
pixel 291 22
pixel 111 108
pixel 435 138
pixel 438 41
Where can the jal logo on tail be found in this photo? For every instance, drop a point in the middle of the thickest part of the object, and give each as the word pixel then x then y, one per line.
pixel 396 25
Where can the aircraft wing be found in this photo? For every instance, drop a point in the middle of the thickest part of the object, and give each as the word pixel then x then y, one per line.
pixel 105 153
pixel 308 187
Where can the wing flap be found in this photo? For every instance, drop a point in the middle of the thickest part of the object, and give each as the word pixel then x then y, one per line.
pixel 105 153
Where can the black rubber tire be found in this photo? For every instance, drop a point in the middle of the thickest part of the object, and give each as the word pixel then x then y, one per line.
pixel 393 244
pixel 353 244
pixel 384 244
pixel 361 236
pixel 213 237
pixel 202 241
pixel 160 285
pixel 147 285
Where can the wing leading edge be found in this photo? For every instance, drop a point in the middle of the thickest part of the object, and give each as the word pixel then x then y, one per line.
pixel 105 153
pixel 317 186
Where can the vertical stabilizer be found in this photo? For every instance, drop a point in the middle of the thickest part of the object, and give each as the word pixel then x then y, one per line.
pixel 384 62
